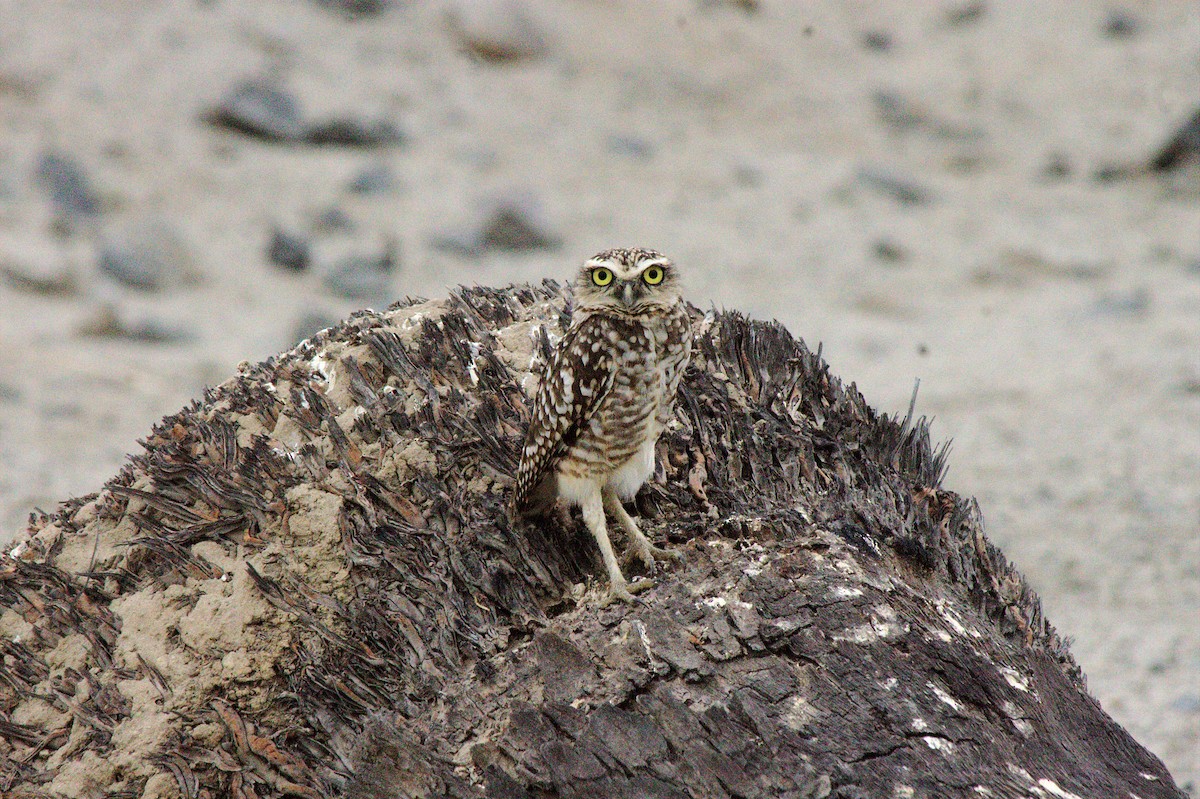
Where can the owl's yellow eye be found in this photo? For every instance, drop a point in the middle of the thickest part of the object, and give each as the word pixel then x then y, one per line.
pixel 602 276
pixel 653 276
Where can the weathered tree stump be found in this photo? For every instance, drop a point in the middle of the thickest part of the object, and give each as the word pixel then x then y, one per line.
pixel 307 585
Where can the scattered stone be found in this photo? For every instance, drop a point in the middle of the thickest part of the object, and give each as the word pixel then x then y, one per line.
pixel 630 146
pixel 497 30
pixel 889 250
pixel 904 116
pixel 150 255
pixel 39 266
pixel 262 110
pixel 898 112
pixel 1120 24
pixel 748 6
pixel 348 132
pixel 1133 304
pixel 1110 173
pixel 332 220
pixel 289 249
pixel 902 190
pixel 513 224
pixel 1020 267
pixel 363 277
pixel 1182 148
pixel 64 180
pixel 1056 167
pixel 107 323
pixel 966 14
pixel 377 178
pixel 356 8
pixel 748 175
pixel 877 41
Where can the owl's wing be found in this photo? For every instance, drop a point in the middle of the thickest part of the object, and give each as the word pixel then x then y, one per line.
pixel 675 359
pixel 577 378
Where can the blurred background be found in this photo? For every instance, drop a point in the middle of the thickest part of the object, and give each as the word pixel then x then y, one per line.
pixel 999 198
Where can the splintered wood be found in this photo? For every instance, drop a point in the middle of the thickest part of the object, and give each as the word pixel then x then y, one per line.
pixel 307 585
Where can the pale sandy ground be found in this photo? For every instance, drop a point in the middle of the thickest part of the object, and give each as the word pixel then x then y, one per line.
pixel 1055 324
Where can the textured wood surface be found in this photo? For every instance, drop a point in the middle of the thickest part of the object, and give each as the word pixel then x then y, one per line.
pixel 307 585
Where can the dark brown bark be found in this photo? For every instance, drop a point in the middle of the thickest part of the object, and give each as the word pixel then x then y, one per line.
pixel 307 585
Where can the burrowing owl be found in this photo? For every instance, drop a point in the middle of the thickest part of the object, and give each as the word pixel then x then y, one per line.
pixel 606 395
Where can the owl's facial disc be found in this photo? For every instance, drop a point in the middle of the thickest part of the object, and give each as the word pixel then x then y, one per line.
pixel 627 280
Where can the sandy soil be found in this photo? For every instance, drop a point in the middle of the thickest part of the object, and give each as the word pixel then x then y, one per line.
pixel 1053 318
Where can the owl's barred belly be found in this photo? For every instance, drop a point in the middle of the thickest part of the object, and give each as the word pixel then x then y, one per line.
pixel 617 446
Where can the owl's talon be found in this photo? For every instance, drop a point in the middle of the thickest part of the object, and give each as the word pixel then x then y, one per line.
pixel 625 592
pixel 667 554
pixel 649 555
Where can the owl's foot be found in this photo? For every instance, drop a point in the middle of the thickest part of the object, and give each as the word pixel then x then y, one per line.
pixel 649 555
pixel 625 591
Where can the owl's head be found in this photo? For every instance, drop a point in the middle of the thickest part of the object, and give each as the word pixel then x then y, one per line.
pixel 631 281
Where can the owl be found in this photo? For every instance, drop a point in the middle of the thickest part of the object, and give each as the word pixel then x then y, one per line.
pixel 606 395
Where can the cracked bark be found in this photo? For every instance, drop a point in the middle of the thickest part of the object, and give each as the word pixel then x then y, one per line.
pixel 840 626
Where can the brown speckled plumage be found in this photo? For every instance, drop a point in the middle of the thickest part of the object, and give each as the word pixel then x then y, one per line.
pixel 607 394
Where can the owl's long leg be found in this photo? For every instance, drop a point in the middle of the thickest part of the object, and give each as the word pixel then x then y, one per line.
pixel 593 517
pixel 642 547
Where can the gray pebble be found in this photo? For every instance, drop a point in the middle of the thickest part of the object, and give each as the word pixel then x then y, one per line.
pixel 363 277
pixel 877 41
pixel 1120 24
pixel 497 30
pixel 512 224
pixel 376 178
pixel 966 14
pixel 356 8
pixel 1187 703
pixel 1056 167
pixel 39 265
pixel 630 146
pixel 332 220
pixel 898 112
pixel 105 322
pixel 262 110
pixel 349 132
pixel 289 249
pixel 150 255
pixel 64 180
pixel 903 190
pixel 889 251
pixel 1183 146
pixel 1133 304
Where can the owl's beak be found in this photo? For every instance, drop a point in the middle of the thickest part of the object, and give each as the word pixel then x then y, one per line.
pixel 627 292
